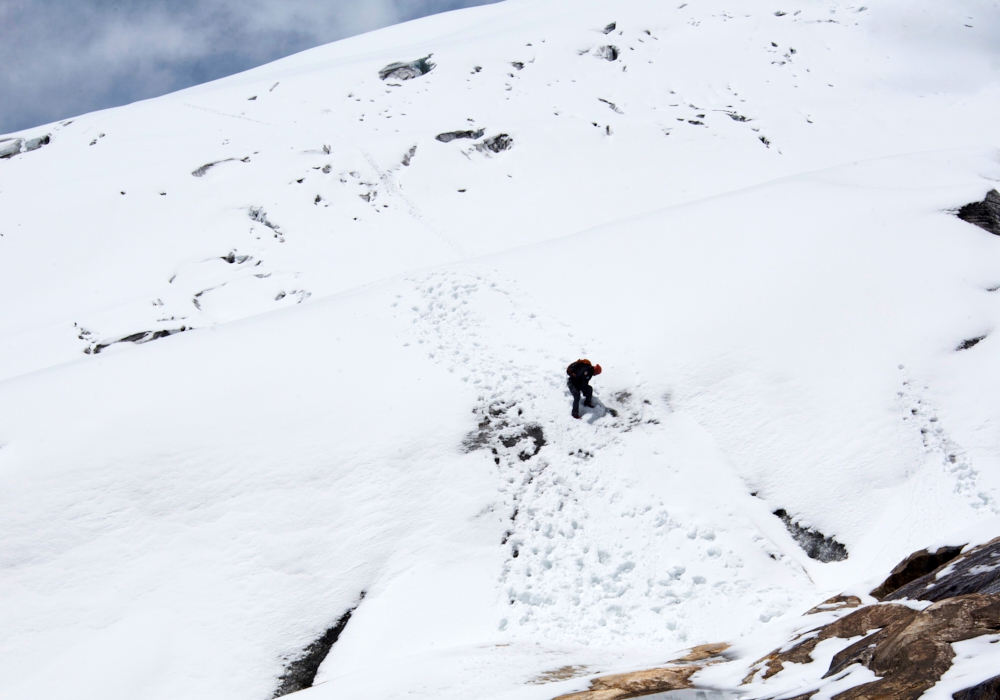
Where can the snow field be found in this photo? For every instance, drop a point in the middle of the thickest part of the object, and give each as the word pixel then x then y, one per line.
pixel 755 243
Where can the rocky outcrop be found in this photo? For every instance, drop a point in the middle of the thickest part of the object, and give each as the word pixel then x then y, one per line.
pixel 984 214
pixel 814 543
pixel 407 70
pixel 913 567
pixel 976 571
pixel 452 135
pixel 858 623
pixel 621 686
pixel 912 657
pixel 907 646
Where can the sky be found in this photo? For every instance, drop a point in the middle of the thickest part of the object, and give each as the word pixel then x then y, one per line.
pixel 62 58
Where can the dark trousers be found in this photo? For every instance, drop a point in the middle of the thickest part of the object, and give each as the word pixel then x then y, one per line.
pixel 586 390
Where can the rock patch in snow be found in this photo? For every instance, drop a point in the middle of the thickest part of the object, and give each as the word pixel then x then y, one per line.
pixel 814 543
pixel 970 342
pixel 984 214
pixel 495 144
pixel 906 649
pixel 136 338
pixel 452 135
pixel 913 567
pixel 407 70
pixel 300 673
pixel 976 571
pixel 500 431
pixel 208 166
pixel 656 680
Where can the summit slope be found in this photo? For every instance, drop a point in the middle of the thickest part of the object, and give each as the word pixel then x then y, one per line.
pixel 276 351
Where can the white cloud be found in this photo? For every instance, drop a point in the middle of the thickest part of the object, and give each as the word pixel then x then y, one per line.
pixel 73 56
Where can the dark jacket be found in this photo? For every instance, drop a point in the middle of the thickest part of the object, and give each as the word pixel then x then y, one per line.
pixel 580 373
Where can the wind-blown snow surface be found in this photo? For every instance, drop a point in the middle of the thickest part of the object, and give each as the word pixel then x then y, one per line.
pixel 745 217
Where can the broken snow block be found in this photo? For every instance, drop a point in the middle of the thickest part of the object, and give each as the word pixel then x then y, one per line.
pixel 500 142
pixel 608 53
pixel 452 135
pixel 407 71
pixel 984 214
pixel 36 143
pixel 10 147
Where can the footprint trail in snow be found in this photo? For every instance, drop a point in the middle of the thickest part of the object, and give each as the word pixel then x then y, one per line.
pixel 578 567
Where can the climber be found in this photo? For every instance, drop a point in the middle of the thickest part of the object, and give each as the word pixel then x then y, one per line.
pixel 580 373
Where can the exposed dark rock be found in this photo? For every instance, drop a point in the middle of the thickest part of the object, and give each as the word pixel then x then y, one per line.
pixel 500 142
pixel 537 435
pixel 406 158
pixel 611 104
pixel 976 571
pixel 913 567
pixel 518 65
pixel 208 166
pixel 910 658
pixel 858 623
pixel 737 117
pixel 300 673
pixel 987 690
pixel 499 429
pixel 608 53
pixel 137 338
pixel 984 214
pixel 232 257
pixel 814 543
pixel 407 71
pixel 452 135
pixel 970 342
pixel 258 214
pixel 610 28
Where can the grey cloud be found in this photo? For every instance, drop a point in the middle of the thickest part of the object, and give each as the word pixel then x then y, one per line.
pixel 66 57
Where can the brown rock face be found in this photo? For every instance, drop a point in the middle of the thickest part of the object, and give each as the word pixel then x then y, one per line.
pixel 857 623
pixel 632 685
pixel 655 680
pixel 913 567
pixel 912 657
pixel 976 571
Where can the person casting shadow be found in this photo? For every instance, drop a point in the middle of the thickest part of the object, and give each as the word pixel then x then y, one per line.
pixel 579 376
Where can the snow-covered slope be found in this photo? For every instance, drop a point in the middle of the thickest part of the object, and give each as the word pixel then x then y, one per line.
pixel 743 212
